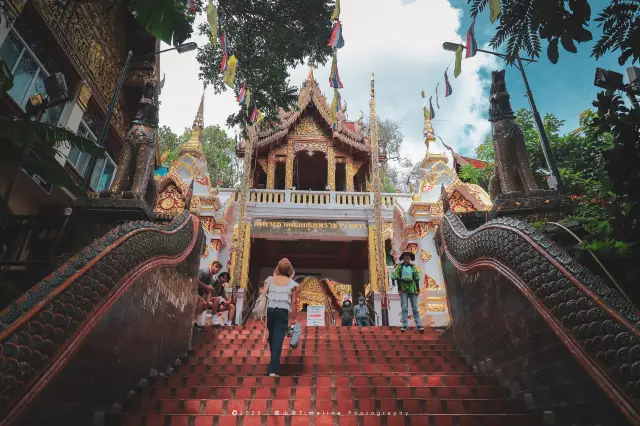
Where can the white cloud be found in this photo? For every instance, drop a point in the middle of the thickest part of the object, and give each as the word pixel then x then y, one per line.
pixel 399 40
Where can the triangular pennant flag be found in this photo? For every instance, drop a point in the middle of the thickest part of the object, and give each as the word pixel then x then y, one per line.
pixel 494 10
pixel 336 41
pixel 256 116
pixel 336 11
pixel 248 100
pixel 472 44
pixel 242 95
pixel 432 112
pixel 448 90
pixel 212 19
pixel 426 113
pixel 458 67
pixel 334 78
pixel 225 53
pixel 229 76
pixel 437 102
pixel 192 6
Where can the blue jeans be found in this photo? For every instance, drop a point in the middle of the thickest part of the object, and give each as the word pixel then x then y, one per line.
pixel 404 304
pixel 277 324
pixel 362 322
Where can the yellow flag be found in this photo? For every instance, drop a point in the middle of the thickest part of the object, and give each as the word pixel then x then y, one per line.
pixel 248 99
pixel 229 76
pixel 336 11
pixel 212 19
pixel 458 68
pixel 427 116
pixel 260 116
pixel 494 10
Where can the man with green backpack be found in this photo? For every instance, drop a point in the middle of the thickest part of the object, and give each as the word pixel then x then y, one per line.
pixel 407 277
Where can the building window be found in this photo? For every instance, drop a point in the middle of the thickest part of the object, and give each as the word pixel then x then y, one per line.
pixel 28 75
pixel 105 168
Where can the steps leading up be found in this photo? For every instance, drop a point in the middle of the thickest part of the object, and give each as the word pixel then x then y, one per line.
pixel 339 376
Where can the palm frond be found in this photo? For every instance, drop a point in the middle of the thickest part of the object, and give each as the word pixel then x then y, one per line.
pixel 166 19
pixel 45 137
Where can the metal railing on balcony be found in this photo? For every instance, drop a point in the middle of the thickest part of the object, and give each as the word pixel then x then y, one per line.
pixel 354 199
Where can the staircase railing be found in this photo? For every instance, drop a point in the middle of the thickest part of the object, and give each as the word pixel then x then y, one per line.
pixel 513 292
pixel 41 330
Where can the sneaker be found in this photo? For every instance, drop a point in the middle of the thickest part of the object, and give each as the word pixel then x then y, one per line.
pixel 421 329
pixel 274 375
pixel 403 329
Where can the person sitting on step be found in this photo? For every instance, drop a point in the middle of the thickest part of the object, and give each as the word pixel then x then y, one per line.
pixel 205 290
pixel 362 312
pixel 219 301
pixel 346 313
pixel 281 308
pixel 408 278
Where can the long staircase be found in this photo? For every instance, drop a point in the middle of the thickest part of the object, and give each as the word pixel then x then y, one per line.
pixel 338 376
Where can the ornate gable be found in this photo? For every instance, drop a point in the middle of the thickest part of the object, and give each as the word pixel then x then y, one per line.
pixel 348 132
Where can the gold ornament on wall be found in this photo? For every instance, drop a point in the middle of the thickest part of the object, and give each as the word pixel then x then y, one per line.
pixel 425 255
pixel 170 201
pixel 430 283
pixel 216 244
pixel 413 248
pixel 205 252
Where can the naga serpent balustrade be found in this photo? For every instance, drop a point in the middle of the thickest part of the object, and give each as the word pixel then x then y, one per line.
pixel 40 330
pixel 594 322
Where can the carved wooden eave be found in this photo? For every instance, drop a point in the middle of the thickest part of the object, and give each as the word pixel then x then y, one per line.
pixel 309 94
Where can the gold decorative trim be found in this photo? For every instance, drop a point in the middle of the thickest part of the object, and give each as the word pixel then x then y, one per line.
pixel 425 256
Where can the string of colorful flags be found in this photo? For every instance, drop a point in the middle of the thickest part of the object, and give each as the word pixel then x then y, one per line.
pixel 471 47
pixel 228 65
pixel 336 41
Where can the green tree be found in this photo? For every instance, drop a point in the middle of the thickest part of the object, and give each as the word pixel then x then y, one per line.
pixel 268 37
pixel 523 24
pixel 219 149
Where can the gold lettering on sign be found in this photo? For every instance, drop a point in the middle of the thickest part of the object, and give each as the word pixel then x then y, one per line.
pixel 309 225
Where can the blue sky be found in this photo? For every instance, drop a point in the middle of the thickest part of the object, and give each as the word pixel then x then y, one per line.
pixel 564 89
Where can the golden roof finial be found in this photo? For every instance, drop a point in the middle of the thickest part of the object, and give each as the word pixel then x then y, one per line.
pixel 198 123
pixel 310 76
pixel 194 143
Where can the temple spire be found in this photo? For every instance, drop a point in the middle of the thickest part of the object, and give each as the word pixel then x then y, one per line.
pixel 195 141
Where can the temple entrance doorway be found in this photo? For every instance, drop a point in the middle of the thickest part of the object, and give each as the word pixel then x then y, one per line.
pixel 328 271
pixel 310 171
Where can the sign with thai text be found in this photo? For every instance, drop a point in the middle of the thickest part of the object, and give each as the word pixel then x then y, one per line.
pixel 315 316
pixel 310 227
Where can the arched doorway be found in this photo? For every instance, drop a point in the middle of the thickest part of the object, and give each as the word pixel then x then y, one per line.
pixel 310 171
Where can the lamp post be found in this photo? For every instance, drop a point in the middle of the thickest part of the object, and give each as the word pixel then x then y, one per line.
pixel 187 47
pixel 544 140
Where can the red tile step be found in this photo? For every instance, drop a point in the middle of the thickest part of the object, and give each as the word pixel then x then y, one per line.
pixel 328 419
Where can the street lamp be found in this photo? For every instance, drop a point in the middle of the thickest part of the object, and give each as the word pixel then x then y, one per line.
pixel 611 80
pixel 187 47
pixel 544 140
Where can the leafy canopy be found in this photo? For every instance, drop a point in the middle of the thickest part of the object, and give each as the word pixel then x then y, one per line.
pixel 268 37
pixel 523 25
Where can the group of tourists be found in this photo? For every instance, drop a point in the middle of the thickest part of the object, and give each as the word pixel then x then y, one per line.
pixel 212 295
pixel 360 312
pixel 278 299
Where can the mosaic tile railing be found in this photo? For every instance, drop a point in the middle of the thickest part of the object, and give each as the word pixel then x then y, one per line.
pixel 594 323
pixel 40 330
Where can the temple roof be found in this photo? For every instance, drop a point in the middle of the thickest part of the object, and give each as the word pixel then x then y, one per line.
pixel 348 132
pixel 463 161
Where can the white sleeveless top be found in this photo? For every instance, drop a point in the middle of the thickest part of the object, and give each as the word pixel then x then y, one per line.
pixel 280 296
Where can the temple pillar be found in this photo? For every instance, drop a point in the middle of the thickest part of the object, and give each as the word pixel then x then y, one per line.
pixel 331 168
pixel 373 272
pixel 246 251
pixel 271 170
pixel 348 175
pixel 289 166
